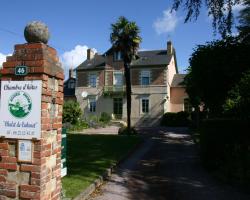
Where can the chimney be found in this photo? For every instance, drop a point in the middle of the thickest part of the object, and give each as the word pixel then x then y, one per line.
pixel 71 73
pixel 90 54
pixel 169 48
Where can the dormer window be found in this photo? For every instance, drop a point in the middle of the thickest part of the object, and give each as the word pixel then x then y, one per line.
pixel 71 84
pixel 118 56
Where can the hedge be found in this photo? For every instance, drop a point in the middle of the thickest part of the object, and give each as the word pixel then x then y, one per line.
pixel 175 119
pixel 225 146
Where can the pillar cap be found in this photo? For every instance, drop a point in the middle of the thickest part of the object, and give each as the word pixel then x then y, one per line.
pixel 36 31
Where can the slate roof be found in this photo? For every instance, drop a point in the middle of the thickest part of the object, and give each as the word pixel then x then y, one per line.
pixel 148 58
pixel 178 80
pixel 97 62
pixel 69 91
pixel 144 58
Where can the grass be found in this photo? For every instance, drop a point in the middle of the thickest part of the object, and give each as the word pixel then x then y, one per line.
pixel 88 156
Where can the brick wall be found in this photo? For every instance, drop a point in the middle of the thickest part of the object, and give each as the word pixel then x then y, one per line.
pixel 40 179
pixel 157 76
pixel 135 76
pixel 83 78
pixel 116 65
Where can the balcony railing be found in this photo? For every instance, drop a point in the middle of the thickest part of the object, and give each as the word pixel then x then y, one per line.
pixel 114 90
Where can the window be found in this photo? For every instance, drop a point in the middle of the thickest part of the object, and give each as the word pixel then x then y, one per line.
pixel 144 105
pixel 118 56
pixel 118 79
pixel 187 105
pixel 71 84
pixel 92 104
pixel 145 77
pixel 92 80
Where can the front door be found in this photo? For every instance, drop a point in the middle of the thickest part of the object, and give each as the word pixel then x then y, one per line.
pixel 117 106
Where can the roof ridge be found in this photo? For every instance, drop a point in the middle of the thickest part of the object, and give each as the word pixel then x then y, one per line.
pixel 152 50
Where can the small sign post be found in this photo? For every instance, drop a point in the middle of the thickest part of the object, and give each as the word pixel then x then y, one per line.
pixel 21 70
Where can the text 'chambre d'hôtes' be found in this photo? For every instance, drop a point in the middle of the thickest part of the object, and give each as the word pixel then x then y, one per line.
pixel 18 87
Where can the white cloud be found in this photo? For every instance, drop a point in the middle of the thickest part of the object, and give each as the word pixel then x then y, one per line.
pixel 167 23
pixel 74 57
pixel 3 59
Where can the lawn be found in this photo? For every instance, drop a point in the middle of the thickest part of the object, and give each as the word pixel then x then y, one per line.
pixel 89 155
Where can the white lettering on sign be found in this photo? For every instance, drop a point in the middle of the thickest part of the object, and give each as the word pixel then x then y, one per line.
pixel 20 112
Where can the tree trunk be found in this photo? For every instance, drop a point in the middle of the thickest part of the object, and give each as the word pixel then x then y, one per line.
pixel 128 95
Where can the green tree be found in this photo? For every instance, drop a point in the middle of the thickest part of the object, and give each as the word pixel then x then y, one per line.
pixel 71 112
pixel 214 69
pixel 238 101
pixel 125 38
pixel 244 20
pixel 220 10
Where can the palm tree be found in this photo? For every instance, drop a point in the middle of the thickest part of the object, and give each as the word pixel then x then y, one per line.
pixel 125 38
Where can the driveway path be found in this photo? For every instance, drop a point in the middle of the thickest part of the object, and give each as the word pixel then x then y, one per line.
pixel 165 167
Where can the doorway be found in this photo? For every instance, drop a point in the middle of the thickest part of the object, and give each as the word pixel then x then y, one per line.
pixel 117 108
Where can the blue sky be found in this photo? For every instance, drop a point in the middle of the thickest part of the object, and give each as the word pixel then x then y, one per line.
pixel 76 25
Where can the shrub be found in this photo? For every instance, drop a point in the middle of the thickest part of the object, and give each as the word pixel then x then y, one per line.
pixel 105 117
pixel 238 101
pixel 80 125
pixel 175 119
pixel 71 112
pixel 124 131
pixel 225 147
pixel 93 121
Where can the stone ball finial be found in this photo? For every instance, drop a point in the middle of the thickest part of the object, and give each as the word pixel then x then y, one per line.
pixel 36 32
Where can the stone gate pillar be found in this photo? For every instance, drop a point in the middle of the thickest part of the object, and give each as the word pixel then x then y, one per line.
pixel 39 178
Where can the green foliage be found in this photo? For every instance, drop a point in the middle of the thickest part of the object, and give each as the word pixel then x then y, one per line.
pixel 79 126
pixel 175 119
pixel 71 112
pixel 125 131
pixel 220 10
pixel 238 102
pixel 225 148
pixel 125 37
pixel 114 94
pixel 244 20
pixel 105 117
pixel 214 70
pixel 95 121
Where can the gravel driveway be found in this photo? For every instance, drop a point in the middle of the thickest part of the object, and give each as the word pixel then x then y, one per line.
pixel 165 167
